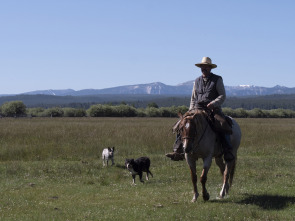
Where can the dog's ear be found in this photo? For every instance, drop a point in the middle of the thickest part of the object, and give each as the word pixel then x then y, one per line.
pixel 113 148
pixel 109 149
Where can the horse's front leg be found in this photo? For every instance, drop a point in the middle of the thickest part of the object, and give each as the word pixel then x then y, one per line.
pixel 192 165
pixel 206 166
pixel 194 181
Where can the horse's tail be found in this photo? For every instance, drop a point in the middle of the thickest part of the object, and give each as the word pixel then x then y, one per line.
pixel 232 172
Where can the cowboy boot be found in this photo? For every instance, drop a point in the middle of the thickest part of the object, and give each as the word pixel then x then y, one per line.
pixel 227 147
pixel 177 153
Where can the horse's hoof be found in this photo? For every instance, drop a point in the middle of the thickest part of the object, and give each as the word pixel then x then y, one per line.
pixel 224 190
pixel 206 197
pixel 195 197
pixel 221 195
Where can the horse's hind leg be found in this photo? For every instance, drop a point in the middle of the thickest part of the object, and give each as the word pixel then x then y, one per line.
pixel 220 164
pixel 225 187
pixel 203 178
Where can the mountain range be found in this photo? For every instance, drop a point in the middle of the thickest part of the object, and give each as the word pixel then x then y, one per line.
pixel 158 88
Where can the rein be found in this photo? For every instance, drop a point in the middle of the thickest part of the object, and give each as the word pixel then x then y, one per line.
pixel 202 134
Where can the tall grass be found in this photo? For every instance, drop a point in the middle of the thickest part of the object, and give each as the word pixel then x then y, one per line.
pixel 51 169
pixel 73 139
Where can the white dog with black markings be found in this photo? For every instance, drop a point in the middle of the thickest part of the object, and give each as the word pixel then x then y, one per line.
pixel 108 154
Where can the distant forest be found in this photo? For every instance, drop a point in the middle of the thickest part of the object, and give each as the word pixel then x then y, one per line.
pixel 141 101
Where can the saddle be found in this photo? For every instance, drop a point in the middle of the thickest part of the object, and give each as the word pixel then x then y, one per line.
pixel 219 122
pixel 222 124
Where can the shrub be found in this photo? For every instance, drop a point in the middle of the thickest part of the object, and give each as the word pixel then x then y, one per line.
pixel 36 112
pixel 124 111
pixel 100 110
pixel 256 113
pixel 13 109
pixel 182 109
pixel 228 111
pixel 73 112
pixel 281 113
pixel 54 112
pixel 140 112
pixel 80 113
pixel 153 104
pixel 166 112
pixel 240 112
pixel 152 112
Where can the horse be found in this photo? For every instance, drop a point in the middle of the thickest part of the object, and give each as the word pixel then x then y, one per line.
pixel 201 141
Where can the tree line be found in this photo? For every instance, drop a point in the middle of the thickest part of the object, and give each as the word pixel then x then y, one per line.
pixel 19 109
pixel 268 102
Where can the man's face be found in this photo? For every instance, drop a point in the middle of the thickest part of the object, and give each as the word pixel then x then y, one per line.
pixel 206 69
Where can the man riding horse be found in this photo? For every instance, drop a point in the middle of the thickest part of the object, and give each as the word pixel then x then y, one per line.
pixel 208 94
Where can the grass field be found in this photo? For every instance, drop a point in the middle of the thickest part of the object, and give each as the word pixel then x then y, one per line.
pixel 51 169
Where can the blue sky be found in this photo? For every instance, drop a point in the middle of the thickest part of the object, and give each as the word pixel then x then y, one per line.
pixel 61 44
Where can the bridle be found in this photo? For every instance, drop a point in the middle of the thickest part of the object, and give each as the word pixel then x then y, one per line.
pixel 194 135
pixel 189 137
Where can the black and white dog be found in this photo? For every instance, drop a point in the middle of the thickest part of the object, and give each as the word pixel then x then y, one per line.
pixel 136 167
pixel 108 154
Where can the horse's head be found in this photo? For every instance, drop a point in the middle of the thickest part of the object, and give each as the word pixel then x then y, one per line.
pixel 186 127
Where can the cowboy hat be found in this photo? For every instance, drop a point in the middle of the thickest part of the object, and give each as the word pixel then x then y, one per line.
pixel 206 61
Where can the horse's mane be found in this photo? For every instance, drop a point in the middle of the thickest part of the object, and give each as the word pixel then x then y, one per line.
pixel 197 115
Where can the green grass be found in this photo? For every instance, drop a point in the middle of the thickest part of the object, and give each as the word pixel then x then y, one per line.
pixel 51 169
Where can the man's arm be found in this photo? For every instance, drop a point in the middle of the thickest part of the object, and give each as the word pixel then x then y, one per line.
pixel 193 98
pixel 222 96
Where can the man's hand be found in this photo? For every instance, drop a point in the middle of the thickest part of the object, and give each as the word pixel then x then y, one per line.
pixel 210 106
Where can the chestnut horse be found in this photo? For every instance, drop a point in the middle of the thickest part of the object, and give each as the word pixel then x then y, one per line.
pixel 200 141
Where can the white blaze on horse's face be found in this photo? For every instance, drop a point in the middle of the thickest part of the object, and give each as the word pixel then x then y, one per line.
pixel 188 134
pixel 184 143
pixel 187 125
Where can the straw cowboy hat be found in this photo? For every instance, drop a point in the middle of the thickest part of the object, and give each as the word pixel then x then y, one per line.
pixel 206 61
